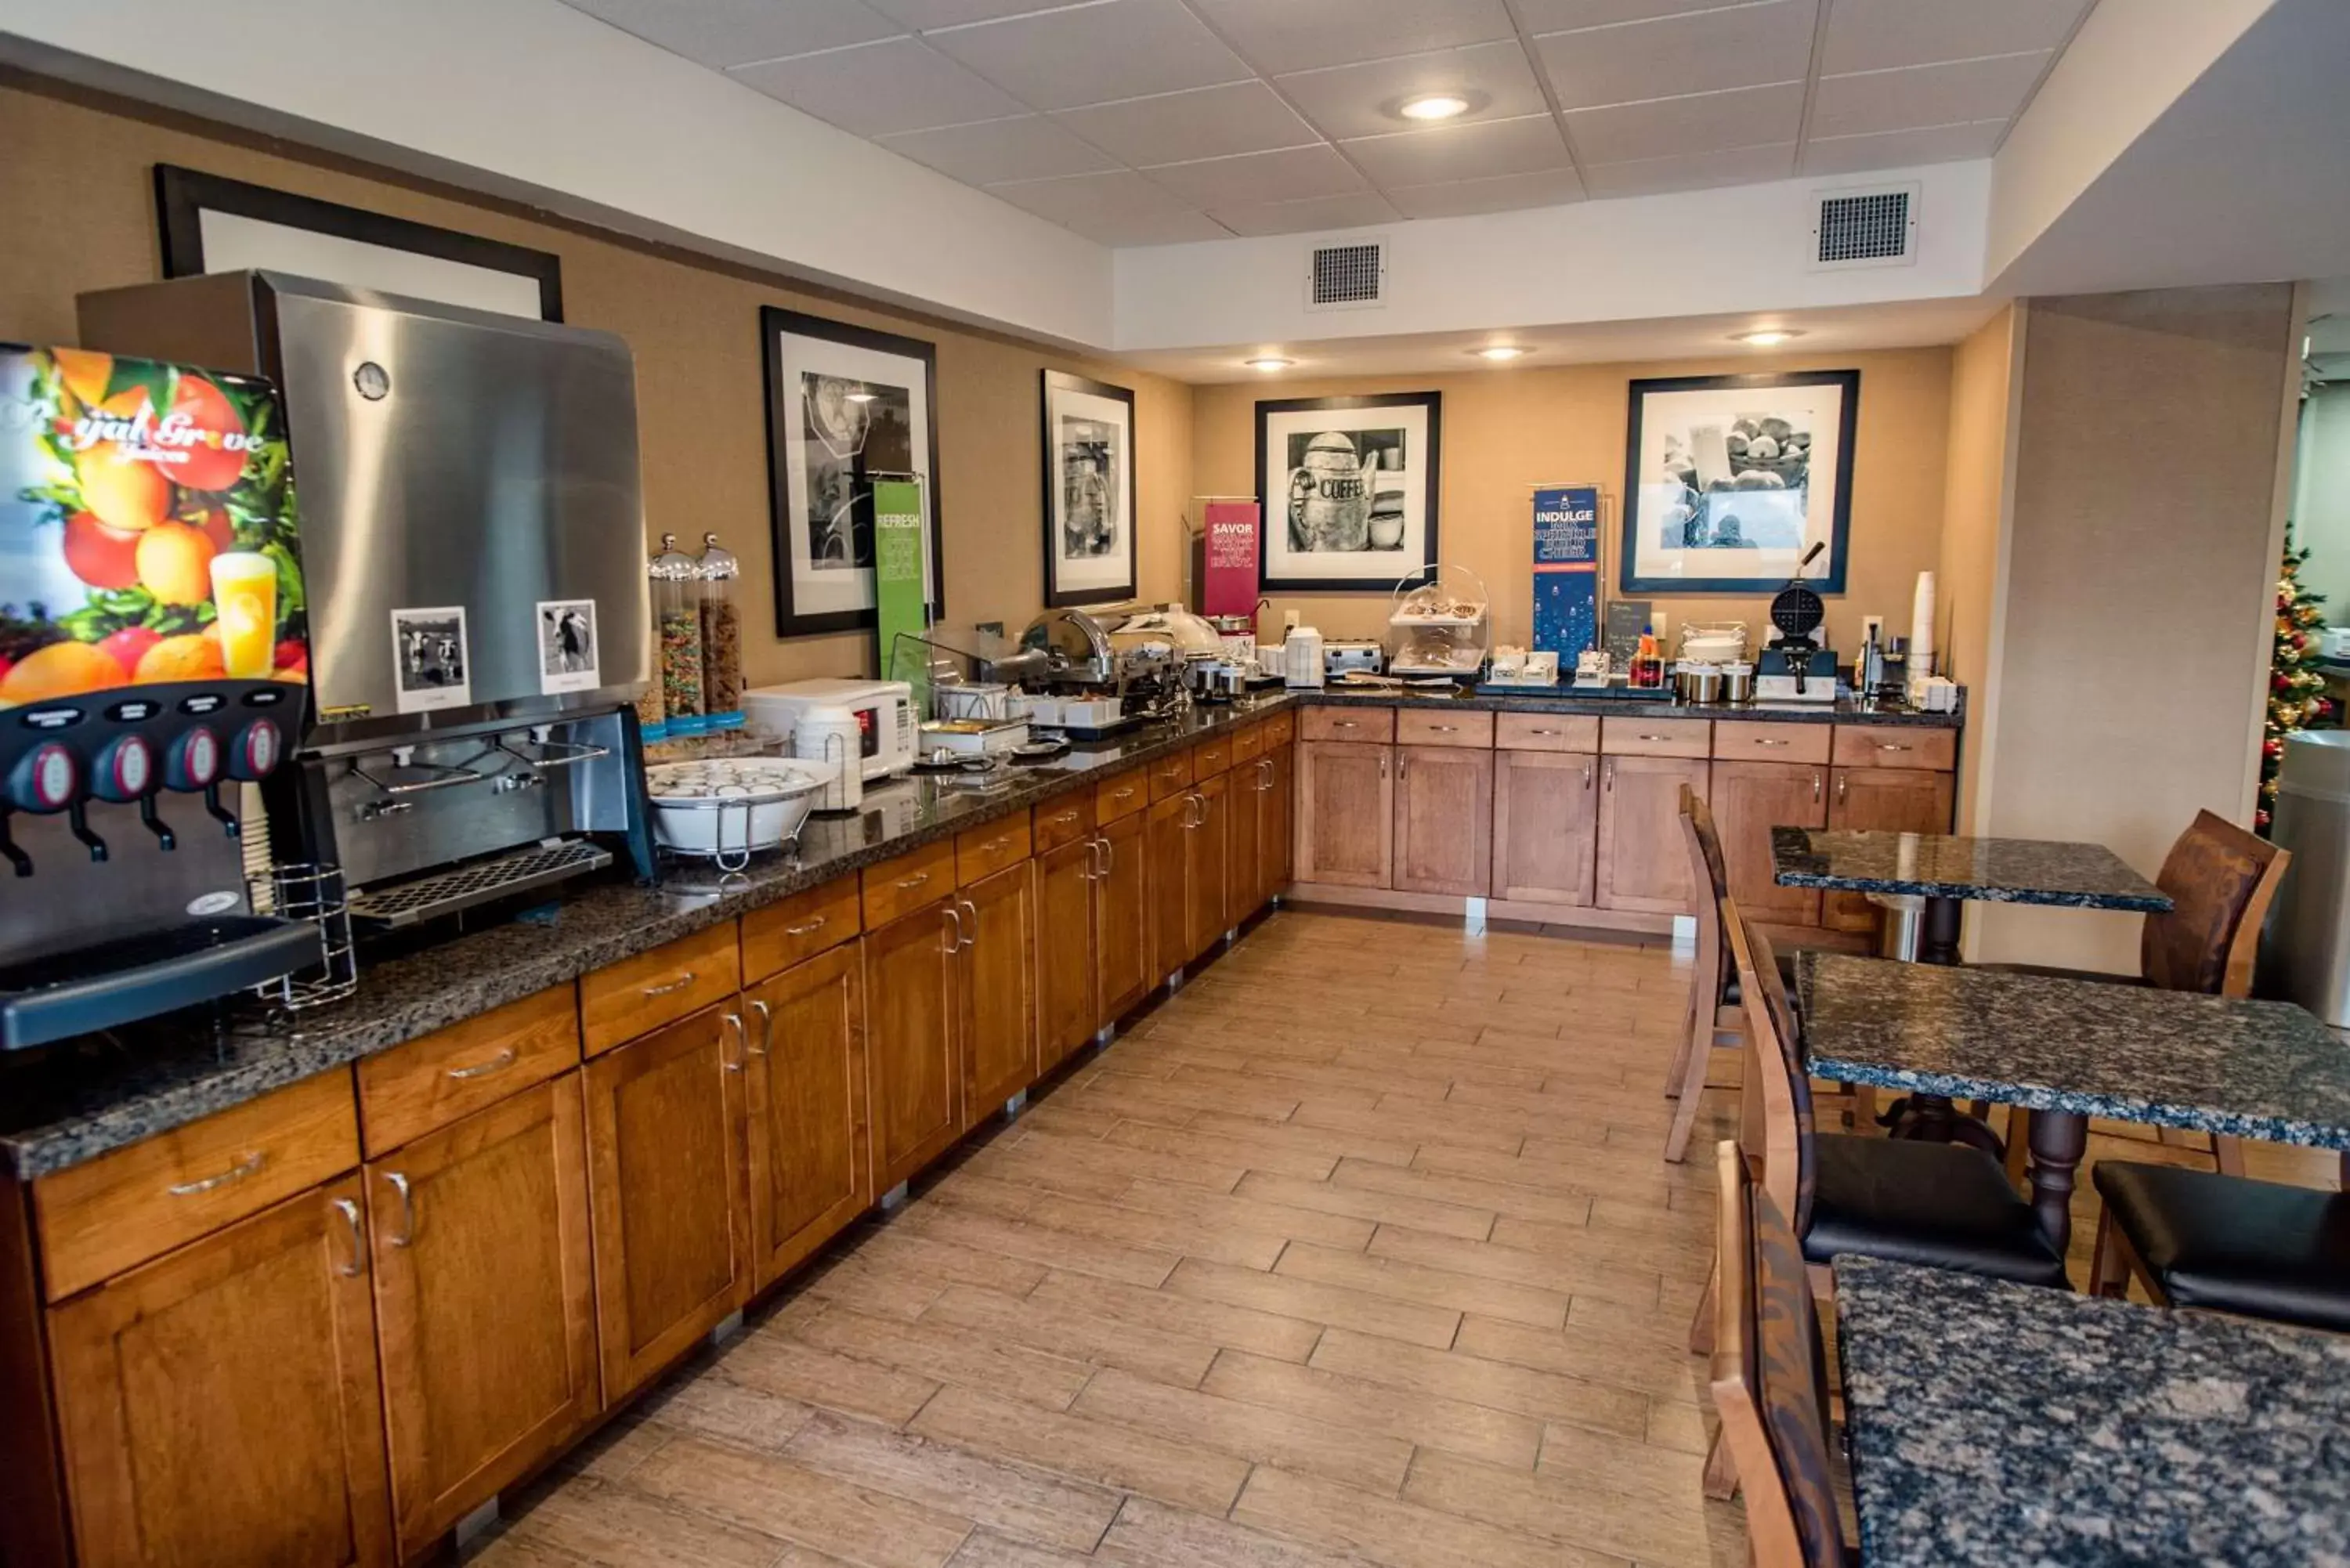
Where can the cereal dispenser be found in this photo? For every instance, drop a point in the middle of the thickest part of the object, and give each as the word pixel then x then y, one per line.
pixel 677 637
pixel 722 636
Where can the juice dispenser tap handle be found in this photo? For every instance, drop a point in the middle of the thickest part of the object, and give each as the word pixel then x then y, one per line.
pixel 8 850
pixel 78 817
pixel 148 819
pixel 229 822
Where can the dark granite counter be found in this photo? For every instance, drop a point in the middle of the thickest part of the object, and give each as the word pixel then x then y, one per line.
pixel 2265 1070
pixel 1563 700
pixel 2060 1428
pixel 1985 870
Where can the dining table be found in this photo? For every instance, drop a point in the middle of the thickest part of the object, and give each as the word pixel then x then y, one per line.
pixel 2067 1050
pixel 2081 1432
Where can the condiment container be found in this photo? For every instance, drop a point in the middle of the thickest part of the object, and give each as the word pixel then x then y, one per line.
pixel 676 637
pixel 722 636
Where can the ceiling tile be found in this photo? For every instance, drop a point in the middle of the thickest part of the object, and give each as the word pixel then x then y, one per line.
pixel 1692 172
pixel 1316 212
pixel 1460 151
pixel 925 14
pixel 1466 198
pixel 1120 194
pixel 1877 35
pixel 1291 176
pixel 1950 94
pixel 877 88
pixel 1556 15
pixel 1028 148
pixel 1900 148
pixel 1093 53
pixel 1345 100
pixel 1206 122
pixel 1299 35
pixel 1149 228
pixel 735 32
pixel 1675 127
pixel 1744 46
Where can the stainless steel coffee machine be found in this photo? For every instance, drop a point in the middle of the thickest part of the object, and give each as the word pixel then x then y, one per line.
pixel 474 533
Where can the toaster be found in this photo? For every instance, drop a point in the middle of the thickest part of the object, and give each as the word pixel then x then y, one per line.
pixel 1339 658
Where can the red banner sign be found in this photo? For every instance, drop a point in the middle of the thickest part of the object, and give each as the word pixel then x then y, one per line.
pixel 1231 585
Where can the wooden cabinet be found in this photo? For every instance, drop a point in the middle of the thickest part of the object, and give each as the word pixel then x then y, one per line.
pixel 1545 824
pixel 811 1167
pixel 796 929
pixel 1346 812
pixel 1124 974
pixel 1443 820
pixel 220 1404
pixel 485 1304
pixel 669 1190
pixel 914 1081
pixel 1166 834
pixel 1750 799
pixel 1244 841
pixel 995 989
pixel 1069 940
pixel 640 994
pixel 428 1084
pixel 1206 870
pixel 1642 862
pixel 1277 817
pixel 1881 800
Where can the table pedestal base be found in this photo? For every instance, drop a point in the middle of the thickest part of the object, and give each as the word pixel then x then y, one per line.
pixel 2058 1140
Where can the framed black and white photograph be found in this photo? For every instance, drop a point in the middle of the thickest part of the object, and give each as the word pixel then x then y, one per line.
pixel 431 660
pixel 1348 487
pixel 210 223
pixel 1090 493
pixel 567 646
pixel 1730 479
pixel 846 406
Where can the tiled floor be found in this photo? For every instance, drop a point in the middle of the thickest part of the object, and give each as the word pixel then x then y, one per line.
pixel 1359 1248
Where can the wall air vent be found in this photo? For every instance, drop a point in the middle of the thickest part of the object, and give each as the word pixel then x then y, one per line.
pixel 1346 277
pixel 1875 227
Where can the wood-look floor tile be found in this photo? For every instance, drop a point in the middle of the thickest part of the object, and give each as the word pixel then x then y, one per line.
pixel 1216 1148
pixel 1263 1433
pixel 1048 1161
pixel 984 1194
pixel 1396 1534
pixel 1667 1478
pixel 945 1354
pixel 1498 1198
pixel 1305 1298
pixel 1446 1065
pixel 1286 1221
pixel 1684 1429
pixel 1099 1451
pixel 776 1364
pixel 621 1446
pixel 1552 1175
pixel 1129 1098
pixel 612 1527
pixel 1478 1380
pixel 1401 1118
pixel 1369 1203
pixel 1152 1532
pixel 1071 1119
pixel 1562 1273
pixel 1014 1500
pixel 1408 1281
pixel 1333 1143
pixel 1577 1513
pixel 761 1492
pixel 1169 1233
pixel 873 1286
pixel 1634 1360
pixel 1231 1328
pixel 1050 1247
pixel 1497 1436
pixel 729 1411
pixel 516 1549
pixel 928 1257
pixel 986 1549
pixel 1045 1325
pixel 1264 1099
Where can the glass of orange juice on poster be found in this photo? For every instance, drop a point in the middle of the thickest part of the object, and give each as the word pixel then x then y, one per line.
pixel 245 593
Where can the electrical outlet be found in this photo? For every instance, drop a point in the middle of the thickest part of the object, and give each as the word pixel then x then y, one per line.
pixel 1289 620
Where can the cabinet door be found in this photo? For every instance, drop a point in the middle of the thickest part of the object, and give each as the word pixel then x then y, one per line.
pixel 1068 963
pixel 1643 864
pixel 1243 842
pixel 1444 820
pixel 1882 800
pixel 486 1307
pixel 669 1188
pixel 1122 919
pixel 220 1405
pixel 1346 814
pixel 1207 853
pixel 811 1165
pixel 1749 800
pixel 1546 826
pixel 1280 809
pixel 912 1064
pixel 997 988
pixel 1168 832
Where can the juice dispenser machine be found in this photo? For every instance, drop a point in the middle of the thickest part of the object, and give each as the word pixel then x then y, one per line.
pixel 153 658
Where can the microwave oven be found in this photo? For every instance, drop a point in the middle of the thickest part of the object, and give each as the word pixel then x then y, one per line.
pixel 879 715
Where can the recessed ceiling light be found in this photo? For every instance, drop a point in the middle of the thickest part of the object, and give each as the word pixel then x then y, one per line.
pixel 1501 351
pixel 1268 362
pixel 1434 105
pixel 1768 338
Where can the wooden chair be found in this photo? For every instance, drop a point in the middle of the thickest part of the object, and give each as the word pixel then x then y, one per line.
pixel 2222 880
pixel 1714 1019
pixel 1770 1383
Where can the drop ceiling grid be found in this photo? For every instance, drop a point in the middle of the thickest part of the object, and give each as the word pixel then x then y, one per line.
pixel 1156 122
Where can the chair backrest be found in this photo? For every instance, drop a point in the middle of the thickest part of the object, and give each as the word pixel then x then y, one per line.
pixel 1774 1066
pixel 1707 869
pixel 1769 1379
pixel 2222 880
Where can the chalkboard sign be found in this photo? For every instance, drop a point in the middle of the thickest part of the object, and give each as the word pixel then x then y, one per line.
pixel 1627 619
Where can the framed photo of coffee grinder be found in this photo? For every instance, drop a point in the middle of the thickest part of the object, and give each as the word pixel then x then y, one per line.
pixel 1348 487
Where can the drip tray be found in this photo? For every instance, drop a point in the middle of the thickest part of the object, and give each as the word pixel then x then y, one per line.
pixel 462 887
pixel 131 978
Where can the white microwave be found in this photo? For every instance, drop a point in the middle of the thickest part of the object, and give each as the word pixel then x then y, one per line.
pixel 877 717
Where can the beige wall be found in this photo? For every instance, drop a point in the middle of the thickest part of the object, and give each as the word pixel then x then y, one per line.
pixel 2141 558
pixel 77 205
pixel 1507 431
pixel 1975 498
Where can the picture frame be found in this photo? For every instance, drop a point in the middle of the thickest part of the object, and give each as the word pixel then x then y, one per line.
pixel 209 223
pixel 1729 479
pixel 845 405
pixel 1090 513
pixel 1334 523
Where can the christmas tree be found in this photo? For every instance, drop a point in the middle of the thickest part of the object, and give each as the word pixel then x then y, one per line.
pixel 2296 691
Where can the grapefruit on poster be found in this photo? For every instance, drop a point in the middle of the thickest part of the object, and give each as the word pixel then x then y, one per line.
pixel 203 421
pixel 101 556
pixel 59 669
pixel 175 563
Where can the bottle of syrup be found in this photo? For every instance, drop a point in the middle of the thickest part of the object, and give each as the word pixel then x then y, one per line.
pixel 1647 673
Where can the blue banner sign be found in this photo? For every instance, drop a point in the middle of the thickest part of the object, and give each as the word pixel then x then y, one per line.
pixel 1567 571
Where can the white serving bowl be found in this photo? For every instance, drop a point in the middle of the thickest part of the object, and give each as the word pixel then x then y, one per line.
pixel 728 809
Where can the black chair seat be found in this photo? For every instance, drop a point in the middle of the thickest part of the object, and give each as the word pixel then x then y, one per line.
pixel 2258 1248
pixel 1941 1205
pixel 1733 995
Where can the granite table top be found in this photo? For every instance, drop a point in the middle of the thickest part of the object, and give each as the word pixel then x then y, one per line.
pixel 2266 1070
pixel 2068 1430
pixel 1939 865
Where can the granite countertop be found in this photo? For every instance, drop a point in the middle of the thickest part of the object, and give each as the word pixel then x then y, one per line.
pixel 2265 1070
pixel 1988 870
pixel 1564 699
pixel 2060 1428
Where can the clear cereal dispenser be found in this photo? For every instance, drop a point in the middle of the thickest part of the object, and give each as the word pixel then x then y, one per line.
pixel 722 636
pixel 676 637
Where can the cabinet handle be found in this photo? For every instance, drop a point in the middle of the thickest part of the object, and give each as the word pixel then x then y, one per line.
pixel 1126 794
pixel 1064 819
pixel 1763 742
pixel 1403 765
pixel 1109 856
pixel 245 1166
pixel 1586 773
pixel 767 1030
pixel 916 880
pixel 809 928
pixel 497 1063
pixel 358 1265
pixel 992 845
pixel 1383 764
pixel 407 1210
pixel 742 1037
pixel 954 943
pixel 1652 737
pixel 1815 787
pixel 1892 746
pixel 1342 723
pixel 1444 729
pixel 1841 782
pixel 1553 733
pixel 680 983
pixel 1610 783
pixel 971 938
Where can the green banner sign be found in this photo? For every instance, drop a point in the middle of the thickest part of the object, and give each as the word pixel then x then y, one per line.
pixel 898 576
